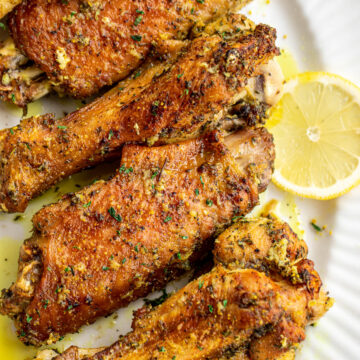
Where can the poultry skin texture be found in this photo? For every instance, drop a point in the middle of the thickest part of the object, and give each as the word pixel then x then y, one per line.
pixel 123 238
pixel 166 103
pixel 248 307
pixel 83 46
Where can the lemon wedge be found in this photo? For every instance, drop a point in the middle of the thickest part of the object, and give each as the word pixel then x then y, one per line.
pixel 316 128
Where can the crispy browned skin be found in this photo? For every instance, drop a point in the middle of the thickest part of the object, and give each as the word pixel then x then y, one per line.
pixel 231 312
pixel 123 238
pixel 83 46
pixel 167 103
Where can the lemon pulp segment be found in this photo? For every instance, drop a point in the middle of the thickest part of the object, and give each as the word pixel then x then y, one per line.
pixel 316 128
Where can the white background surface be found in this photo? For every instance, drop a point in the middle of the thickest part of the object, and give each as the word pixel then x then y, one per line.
pixel 322 35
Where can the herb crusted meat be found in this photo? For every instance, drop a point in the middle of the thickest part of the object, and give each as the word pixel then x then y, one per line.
pixel 85 45
pixel 167 102
pixel 248 307
pixel 123 238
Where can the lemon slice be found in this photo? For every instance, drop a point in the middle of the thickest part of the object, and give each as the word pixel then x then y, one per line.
pixel 316 128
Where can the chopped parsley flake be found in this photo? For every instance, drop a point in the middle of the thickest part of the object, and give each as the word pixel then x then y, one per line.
pixel 62 127
pixel 180 75
pixel 196 192
pixel 167 219
pixel 125 170
pixel 113 214
pixel 123 260
pixel 28 318
pixel 211 309
pixel 139 11
pixel 87 204
pixel 13 98
pixel 46 303
pixel 201 283
pixel 200 1
pixel 136 37
pixel 136 248
pixel 225 303
pixel 184 237
pixel 105 268
pixel 162 349
pixel 316 227
pixel 111 134
pixel 2 25
pixel 178 256
pixel 138 20
pixel 11 131
pixel 69 268
pixel 202 181
pixel 234 218
pixel 155 174
pixel 209 202
pixel 186 91
pixel 137 74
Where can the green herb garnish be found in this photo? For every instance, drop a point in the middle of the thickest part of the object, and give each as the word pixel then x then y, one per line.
pixel 316 227
pixel 87 204
pixel 113 214
pixel 138 20
pixel 136 37
pixel 209 202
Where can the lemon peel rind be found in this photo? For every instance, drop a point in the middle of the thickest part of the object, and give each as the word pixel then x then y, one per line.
pixel 315 192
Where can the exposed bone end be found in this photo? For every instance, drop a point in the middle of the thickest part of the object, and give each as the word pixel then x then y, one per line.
pixel 72 353
pixel 254 151
pixel 13 301
pixel 20 82
pixel 262 92
pixel 267 86
pixel 319 306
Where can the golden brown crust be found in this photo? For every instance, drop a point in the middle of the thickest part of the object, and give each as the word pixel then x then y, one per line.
pixel 262 243
pixel 230 312
pixel 83 46
pixel 123 238
pixel 165 103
